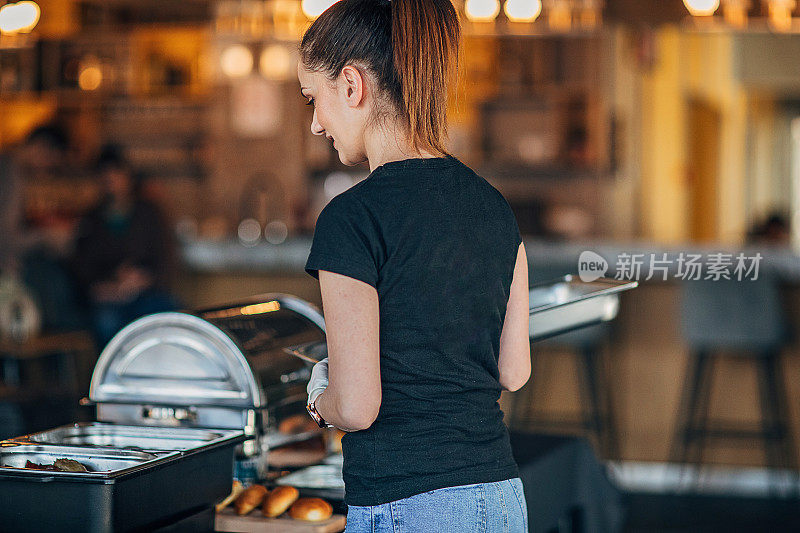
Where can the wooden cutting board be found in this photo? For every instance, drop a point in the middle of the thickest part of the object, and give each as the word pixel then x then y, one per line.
pixel 230 522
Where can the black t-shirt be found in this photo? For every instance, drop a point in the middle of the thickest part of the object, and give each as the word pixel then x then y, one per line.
pixel 439 244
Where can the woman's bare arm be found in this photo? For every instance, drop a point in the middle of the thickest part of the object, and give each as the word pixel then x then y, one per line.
pixel 515 347
pixel 353 397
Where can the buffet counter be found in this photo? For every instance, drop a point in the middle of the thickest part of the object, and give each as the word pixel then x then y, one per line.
pixel 290 256
pixel 647 354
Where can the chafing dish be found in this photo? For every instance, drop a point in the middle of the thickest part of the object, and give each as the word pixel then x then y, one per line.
pixel 181 398
pixel 124 489
pixel 222 367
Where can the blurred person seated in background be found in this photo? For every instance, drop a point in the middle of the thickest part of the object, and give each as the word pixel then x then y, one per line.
pixel 123 251
pixel 34 259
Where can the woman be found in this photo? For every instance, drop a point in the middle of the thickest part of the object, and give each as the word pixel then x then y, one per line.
pixel 423 277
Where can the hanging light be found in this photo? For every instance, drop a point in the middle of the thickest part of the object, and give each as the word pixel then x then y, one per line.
pixel 314 8
pixel 522 10
pixel 21 17
pixel 482 10
pixel 701 8
pixel 236 61
pixel 780 14
pixel 735 12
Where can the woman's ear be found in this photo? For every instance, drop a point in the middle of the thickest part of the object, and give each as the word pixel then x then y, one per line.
pixel 353 85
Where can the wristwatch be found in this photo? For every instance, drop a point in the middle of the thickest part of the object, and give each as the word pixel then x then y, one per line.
pixel 312 410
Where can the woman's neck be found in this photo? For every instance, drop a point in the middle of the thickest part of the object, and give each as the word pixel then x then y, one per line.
pixel 391 143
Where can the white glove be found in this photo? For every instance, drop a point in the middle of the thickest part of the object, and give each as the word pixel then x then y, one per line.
pixel 318 381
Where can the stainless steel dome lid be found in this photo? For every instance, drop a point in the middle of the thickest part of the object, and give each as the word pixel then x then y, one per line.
pixel 221 357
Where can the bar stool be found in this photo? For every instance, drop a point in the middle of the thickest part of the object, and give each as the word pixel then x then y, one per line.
pixel 745 319
pixel 597 416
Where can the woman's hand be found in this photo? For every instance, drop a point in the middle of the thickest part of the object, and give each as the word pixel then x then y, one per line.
pixel 353 397
pixel 318 381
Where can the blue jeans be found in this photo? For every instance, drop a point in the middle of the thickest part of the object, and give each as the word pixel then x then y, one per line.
pixel 497 507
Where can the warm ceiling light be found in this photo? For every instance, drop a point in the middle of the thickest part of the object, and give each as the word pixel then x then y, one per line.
pixel 701 8
pixel 314 8
pixel 482 10
pixel 236 61
pixel 275 62
pixel 33 13
pixel 21 17
pixel 522 10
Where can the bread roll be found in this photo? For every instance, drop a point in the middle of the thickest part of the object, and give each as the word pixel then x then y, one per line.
pixel 279 500
pixel 251 498
pixel 311 509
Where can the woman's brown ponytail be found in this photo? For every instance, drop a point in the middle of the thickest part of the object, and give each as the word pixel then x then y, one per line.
pixel 425 41
pixel 411 47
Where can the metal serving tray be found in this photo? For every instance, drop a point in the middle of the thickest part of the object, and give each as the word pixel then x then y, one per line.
pixel 128 437
pixel 567 304
pixel 95 460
